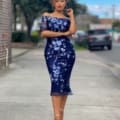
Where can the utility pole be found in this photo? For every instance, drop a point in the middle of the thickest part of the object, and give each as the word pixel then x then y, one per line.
pixel 113 12
pixel 113 19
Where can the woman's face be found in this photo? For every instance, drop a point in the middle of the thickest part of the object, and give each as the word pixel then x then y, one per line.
pixel 59 4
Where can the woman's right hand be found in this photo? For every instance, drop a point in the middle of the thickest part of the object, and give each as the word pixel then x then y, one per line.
pixel 67 33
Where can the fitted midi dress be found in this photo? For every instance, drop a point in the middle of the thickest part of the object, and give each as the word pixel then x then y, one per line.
pixel 59 55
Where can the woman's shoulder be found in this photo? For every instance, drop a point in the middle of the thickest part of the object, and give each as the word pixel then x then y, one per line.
pixel 46 14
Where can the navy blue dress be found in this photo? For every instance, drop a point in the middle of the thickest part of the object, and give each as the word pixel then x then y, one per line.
pixel 59 55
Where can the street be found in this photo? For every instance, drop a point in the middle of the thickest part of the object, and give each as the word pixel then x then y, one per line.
pixel 110 56
pixel 95 81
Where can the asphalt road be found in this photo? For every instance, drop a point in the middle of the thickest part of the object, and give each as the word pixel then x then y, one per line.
pixel 112 56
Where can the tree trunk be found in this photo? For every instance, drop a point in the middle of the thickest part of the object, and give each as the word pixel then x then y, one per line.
pixel 29 26
pixel 15 15
pixel 29 31
pixel 22 22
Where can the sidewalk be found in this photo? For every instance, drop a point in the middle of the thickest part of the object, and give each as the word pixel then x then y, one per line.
pixel 24 93
pixel 16 52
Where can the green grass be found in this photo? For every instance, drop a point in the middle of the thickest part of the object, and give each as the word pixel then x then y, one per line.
pixel 79 47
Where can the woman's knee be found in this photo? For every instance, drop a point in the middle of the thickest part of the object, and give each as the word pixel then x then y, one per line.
pixel 57 116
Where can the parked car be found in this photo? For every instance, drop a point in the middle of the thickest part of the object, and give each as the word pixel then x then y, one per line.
pixel 80 37
pixel 99 38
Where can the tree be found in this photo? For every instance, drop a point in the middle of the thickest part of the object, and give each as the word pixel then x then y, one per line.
pixel 14 6
pixel 34 8
pixel 116 25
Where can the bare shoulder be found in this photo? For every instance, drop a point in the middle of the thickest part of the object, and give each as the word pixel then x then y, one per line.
pixel 45 14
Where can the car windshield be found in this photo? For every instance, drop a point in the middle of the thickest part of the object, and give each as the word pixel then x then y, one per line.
pixel 97 32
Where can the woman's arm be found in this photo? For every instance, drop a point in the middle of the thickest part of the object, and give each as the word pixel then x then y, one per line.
pixel 72 30
pixel 44 32
pixel 48 33
pixel 73 27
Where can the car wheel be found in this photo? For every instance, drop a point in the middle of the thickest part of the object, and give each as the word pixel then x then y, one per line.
pixel 90 48
pixel 102 47
pixel 109 47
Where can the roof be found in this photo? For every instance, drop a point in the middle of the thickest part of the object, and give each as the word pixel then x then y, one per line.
pixel 107 20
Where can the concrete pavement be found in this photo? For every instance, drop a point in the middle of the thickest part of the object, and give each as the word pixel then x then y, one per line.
pixel 24 90
pixel 16 52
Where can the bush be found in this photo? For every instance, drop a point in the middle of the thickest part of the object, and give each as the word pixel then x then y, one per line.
pixel 35 37
pixel 82 43
pixel 19 36
pixel 79 47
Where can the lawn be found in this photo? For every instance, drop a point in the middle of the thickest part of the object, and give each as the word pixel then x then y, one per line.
pixel 79 47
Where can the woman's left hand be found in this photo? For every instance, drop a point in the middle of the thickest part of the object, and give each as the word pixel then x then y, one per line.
pixel 69 12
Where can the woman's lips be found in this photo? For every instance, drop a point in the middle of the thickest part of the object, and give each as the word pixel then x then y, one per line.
pixel 59 6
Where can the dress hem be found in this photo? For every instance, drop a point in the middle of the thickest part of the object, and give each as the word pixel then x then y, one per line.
pixel 61 94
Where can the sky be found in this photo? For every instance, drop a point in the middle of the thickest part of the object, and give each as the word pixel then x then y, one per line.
pixel 103 8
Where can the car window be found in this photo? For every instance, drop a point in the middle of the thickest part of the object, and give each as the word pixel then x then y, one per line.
pixel 97 32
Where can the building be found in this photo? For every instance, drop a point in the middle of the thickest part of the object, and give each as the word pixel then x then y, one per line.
pixel 108 21
pixel 5 33
pixel 84 20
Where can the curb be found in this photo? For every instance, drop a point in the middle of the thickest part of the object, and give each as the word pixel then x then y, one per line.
pixel 22 53
pixel 96 62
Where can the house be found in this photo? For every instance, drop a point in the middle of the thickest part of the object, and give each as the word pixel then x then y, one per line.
pixel 107 21
pixel 84 20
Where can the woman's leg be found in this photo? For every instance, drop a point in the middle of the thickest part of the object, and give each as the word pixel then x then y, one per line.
pixel 62 106
pixel 56 101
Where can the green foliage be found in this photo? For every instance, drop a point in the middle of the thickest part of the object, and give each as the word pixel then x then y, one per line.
pixel 31 9
pixel 35 33
pixel 22 37
pixel 35 37
pixel 19 36
pixel 83 43
pixel 116 25
pixel 80 47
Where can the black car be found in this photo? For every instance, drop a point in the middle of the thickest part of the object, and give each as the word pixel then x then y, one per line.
pixel 99 38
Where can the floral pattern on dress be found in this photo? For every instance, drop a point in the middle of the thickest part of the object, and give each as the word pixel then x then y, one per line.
pixel 59 55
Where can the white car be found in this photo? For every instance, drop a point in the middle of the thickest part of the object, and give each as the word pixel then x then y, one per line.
pixel 79 36
pixel 99 38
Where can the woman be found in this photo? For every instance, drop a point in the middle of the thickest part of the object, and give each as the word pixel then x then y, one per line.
pixel 59 52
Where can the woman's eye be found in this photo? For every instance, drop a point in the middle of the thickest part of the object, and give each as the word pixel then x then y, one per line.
pixel 56 0
pixel 62 0
pixel 59 0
